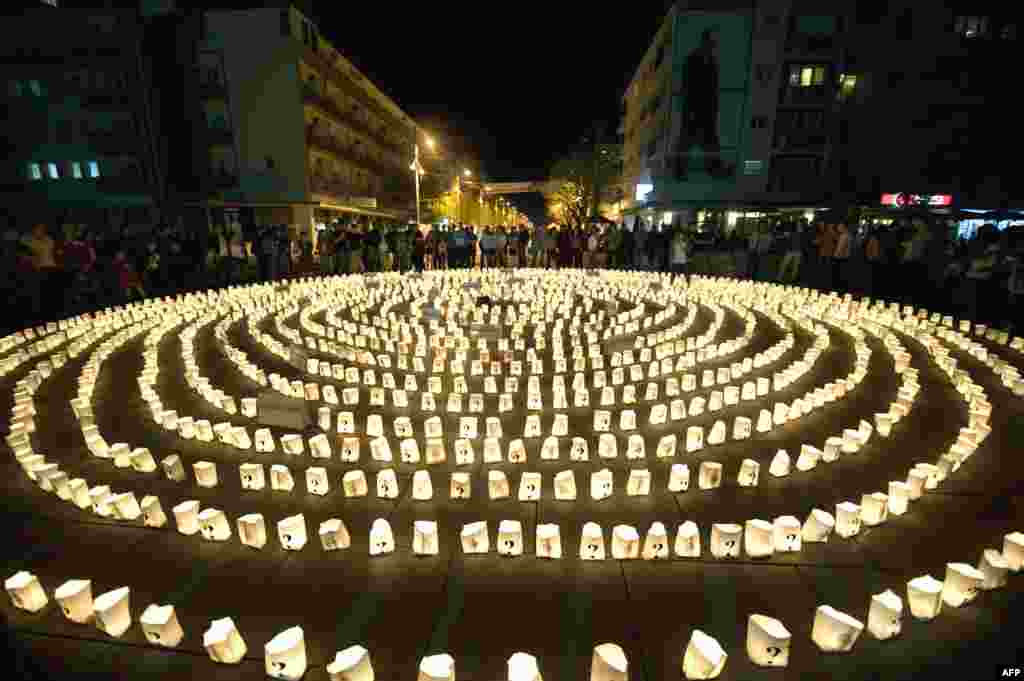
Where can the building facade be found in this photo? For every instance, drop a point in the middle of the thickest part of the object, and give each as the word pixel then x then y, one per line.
pixel 78 138
pixel 293 127
pixel 741 106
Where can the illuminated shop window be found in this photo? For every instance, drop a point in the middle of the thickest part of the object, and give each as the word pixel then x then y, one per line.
pixel 51 170
pixel 35 171
pixel 94 169
pixel 76 170
pixel 806 75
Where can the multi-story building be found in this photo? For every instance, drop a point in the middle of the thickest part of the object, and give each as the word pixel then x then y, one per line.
pixel 242 116
pixel 740 106
pixel 77 136
pixel 292 128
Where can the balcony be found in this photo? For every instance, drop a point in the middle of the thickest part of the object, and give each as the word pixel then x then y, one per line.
pixel 351 153
pixel 341 80
pixel 330 108
pixel 335 186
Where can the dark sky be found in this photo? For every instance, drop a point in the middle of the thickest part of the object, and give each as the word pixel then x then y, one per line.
pixel 511 84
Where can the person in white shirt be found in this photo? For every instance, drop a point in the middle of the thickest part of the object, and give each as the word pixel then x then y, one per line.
pixel 680 252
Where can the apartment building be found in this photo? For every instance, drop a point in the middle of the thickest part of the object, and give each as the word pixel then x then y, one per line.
pixel 77 137
pixel 740 106
pixel 293 128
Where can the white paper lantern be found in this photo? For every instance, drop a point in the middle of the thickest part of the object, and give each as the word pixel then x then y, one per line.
pixel 173 468
pixel 764 421
pixel 75 599
pixel 160 626
pixel 787 534
pixel 679 478
pixel 924 596
pixel 437 668
pixel 885 618
pixel 435 451
pixel 687 543
pixel 704 657
pixel 424 538
pixel 625 542
pixel 768 641
pixel 709 475
pixel 252 530
pixel 809 457
pixel 292 532
pixel 639 483
pixel 834 631
pixel 874 508
pixel 26 592
pixel 1013 551
pixel 656 545
pixel 609 663
pixel 994 567
pixel 529 487
pixel 186 515
pixel 549 541
pixel 725 540
pixel 818 526
pixel 592 542
pixel 759 538
pixel 281 478
pixel 223 643
pixel 422 488
pixel 847 519
pixel 351 664
pixel 475 538
pixel 113 614
pixel 510 538
pixel 748 474
pixel 694 438
pixel 213 525
pixel 601 484
pixel 961 584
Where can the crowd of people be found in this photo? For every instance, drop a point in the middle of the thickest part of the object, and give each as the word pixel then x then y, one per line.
pixel 55 274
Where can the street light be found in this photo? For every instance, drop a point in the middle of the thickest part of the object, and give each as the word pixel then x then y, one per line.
pixel 466 172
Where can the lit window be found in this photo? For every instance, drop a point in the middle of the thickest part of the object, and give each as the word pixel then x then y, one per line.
pixel 753 167
pixel 847 85
pixel 94 169
pixel 806 75
pixel 51 170
pixel 971 27
pixel 36 88
pixel 76 170
pixel 35 172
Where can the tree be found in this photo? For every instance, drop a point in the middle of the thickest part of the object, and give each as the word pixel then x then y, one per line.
pixel 578 181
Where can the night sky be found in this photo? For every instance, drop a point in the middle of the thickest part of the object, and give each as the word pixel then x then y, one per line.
pixel 512 85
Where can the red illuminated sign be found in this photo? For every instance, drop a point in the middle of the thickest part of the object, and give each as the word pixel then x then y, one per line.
pixel 911 200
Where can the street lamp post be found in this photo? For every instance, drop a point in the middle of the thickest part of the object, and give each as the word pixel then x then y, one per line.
pixel 416 170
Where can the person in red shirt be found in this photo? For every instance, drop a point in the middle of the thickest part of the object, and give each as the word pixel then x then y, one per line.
pixel 128 278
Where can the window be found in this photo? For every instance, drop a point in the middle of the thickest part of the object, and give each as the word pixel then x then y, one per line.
pixel 35 172
pixel 76 170
pixel 847 85
pixel 806 75
pixel 971 27
pixel 36 88
pixel 759 122
pixel 753 167
pixel 51 170
pixel 94 169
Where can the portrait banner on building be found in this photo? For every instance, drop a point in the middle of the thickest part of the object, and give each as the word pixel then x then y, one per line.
pixel 710 87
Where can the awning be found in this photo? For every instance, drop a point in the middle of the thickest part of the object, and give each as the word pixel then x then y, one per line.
pixel 393 215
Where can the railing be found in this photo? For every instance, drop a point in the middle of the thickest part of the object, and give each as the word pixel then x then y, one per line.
pixel 331 108
pixel 817 96
pixel 341 80
pixel 350 153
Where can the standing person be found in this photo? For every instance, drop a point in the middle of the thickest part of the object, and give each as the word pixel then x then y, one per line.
pixel 593 244
pixel 841 259
pixel 640 246
pixel 551 247
pixel 680 253
pixel 371 248
pixel 980 280
pixel 41 250
pixel 826 243
pixel 565 246
pixel 914 266
pixel 500 247
pixel 523 241
pixel 792 257
pixel 356 240
pixel 627 250
pixel 419 250
pixel 265 252
pixel 470 240
pixel 538 245
pixel 875 264
pixel 441 249
pixel 615 235
pixel 579 240
pixel 488 242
